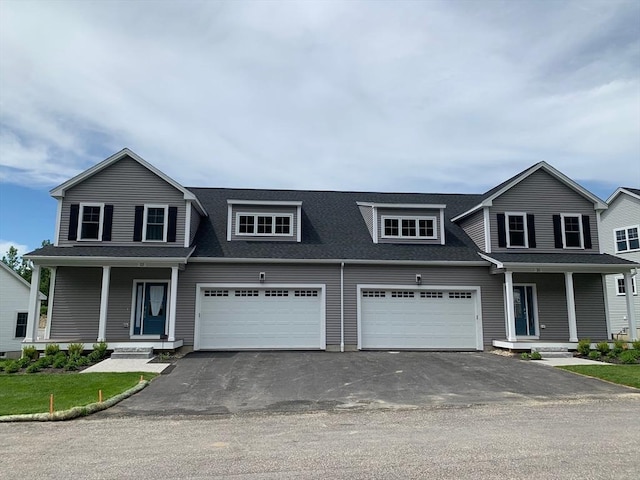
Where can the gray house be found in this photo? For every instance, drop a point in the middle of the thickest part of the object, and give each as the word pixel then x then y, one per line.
pixel 619 228
pixel 140 260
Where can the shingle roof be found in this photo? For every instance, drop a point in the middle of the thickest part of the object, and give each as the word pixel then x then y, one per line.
pixel 332 227
pixel 633 190
pixel 112 251
pixel 560 258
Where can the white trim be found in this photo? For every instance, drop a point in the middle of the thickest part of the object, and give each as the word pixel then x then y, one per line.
pixel 424 206
pixel 376 234
pixel 17 276
pixel 262 286
pixel 631 313
pixel 469 212
pixel 60 190
pixel 132 319
pixel 524 226
pixel 510 317
pixel 101 221
pixel 104 303
pixel 312 261
pixel 571 306
pixel 52 289
pixel 442 235
pixel 187 224
pixel 562 228
pixel 342 307
pixel 535 311
pixel 56 238
pixel 626 236
pixel 599 226
pixel 165 226
pixel 417 219
pixel 33 310
pixel 155 343
pixel 607 316
pixel 299 223
pixel 70 261
pixel 634 290
pixel 265 202
pixel 528 345
pixel 255 224
pixel 487 229
pixel 229 221
pixel 620 190
pixel 172 307
pixel 476 289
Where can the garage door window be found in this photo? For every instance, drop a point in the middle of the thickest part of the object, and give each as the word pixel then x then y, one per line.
pixel 276 293
pixel 459 294
pixel 430 294
pixel 306 293
pixel 246 293
pixel 402 294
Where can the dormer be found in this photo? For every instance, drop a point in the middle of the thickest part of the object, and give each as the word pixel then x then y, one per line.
pixel 264 220
pixel 404 222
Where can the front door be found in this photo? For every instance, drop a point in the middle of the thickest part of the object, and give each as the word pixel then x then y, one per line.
pixel 523 305
pixel 151 308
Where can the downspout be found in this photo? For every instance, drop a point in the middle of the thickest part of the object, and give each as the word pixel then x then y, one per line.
pixel 342 306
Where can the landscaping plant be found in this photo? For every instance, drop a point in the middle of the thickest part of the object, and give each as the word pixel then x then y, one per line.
pixel 51 350
pixel 30 352
pixel 603 348
pixel 536 356
pixel 594 355
pixel 584 346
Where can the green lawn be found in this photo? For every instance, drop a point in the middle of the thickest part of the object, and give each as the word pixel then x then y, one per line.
pixel 623 374
pixel 30 393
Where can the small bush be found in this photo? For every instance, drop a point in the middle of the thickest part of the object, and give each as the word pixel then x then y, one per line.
pixel 51 350
pixel 11 366
pixel 619 346
pixel 525 356
pixel 59 361
pixel 584 346
pixel 30 352
pixel 603 347
pixel 83 361
pixel 94 357
pixel 71 366
pixel 44 362
pixel 629 356
pixel 100 350
pixel 636 345
pixel 24 362
pixel 536 356
pixel 33 368
pixel 75 349
pixel 595 355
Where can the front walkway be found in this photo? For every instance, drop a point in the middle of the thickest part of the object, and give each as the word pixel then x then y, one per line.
pixel 127 365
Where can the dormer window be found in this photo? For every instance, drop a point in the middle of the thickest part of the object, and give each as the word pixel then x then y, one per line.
pixel 409 227
pixel 90 225
pixel 263 224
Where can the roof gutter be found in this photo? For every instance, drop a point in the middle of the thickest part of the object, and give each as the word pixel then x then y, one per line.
pixel 337 261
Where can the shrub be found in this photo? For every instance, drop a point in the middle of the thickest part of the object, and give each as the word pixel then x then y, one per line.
pixel 618 347
pixel 11 366
pixel 83 361
pixel 51 350
pixel 525 356
pixel 23 362
pixel 30 352
pixel 636 345
pixel 75 349
pixel 71 366
pixel 100 350
pixel 95 357
pixel 44 362
pixel 629 356
pixel 59 361
pixel 584 346
pixel 595 355
pixel 536 356
pixel 33 368
pixel 603 347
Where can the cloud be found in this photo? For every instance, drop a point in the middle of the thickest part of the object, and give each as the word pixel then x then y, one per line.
pixel 427 96
pixel 6 244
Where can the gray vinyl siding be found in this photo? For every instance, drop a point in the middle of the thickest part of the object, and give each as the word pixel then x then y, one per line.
pixel 493 324
pixel 195 223
pixel 392 212
pixel 367 215
pixel 76 306
pixel 264 209
pixel 623 211
pixel 543 196
pixel 194 273
pixel 590 307
pixel 121 296
pixel 473 226
pixel 124 185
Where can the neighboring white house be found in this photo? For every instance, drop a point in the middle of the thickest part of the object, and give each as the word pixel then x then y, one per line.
pixel 619 235
pixel 14 305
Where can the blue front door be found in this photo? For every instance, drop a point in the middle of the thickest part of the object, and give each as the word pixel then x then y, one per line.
pixel 523 307
pixel 151 306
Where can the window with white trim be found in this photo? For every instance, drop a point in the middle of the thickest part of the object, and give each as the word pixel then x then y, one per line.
pixel 90 224
pixel 516 228
pixel 572 231
pixel 263 224
pixel 21 324
pixel 627 239
pixel 155 223
pixel 409 227
pixel 620 286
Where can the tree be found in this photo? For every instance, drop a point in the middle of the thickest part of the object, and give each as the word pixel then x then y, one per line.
pixel 23 267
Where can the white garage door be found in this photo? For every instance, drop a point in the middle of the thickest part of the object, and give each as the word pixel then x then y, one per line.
pixel 417 319
pixel 260 318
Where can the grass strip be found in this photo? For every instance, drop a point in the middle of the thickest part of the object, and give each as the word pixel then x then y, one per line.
pixel 628 375
pixel 20 394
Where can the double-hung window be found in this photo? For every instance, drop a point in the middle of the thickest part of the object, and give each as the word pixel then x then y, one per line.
pixel 409 227
pixel 572 231
pixel 21 325
pixel 90 224
pixel 516 228
pixel 621 288
pixel 263 224
pixel 627 239
pixel 155 223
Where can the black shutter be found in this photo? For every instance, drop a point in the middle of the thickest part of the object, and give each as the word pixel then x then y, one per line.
pixel 531 231
pixel 586 231
pixel 557 231
pixel 502 233
pixel 137 226
pixel 73 222
pixel 173 224
pixel 107 223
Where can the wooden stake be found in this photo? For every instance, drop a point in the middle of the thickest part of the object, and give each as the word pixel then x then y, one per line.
pixel 51 404
pixel 100 396
pixel 142 378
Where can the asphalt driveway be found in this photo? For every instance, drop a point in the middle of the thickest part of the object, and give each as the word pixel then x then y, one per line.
pixel 237 382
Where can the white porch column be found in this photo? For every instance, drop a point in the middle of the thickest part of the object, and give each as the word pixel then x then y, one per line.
pixel 631 314
pixel 33 316
pixel 571 306
pixel 104 303
pixel 511 316
pixel 173 300
pixel 52 288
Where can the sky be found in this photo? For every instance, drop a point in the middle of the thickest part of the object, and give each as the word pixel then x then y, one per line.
pixel 431 96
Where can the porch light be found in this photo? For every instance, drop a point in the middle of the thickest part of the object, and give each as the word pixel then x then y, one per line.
pixel 418 279
pixel 262 277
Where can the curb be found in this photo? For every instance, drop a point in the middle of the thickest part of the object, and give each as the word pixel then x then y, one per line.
pixel 74 412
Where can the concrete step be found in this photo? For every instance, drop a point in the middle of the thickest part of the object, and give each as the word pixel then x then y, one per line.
pixel 547 354
pixel 132 353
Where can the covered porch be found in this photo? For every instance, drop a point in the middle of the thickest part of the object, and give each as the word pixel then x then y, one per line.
pixel 127 302
pixel 552 301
